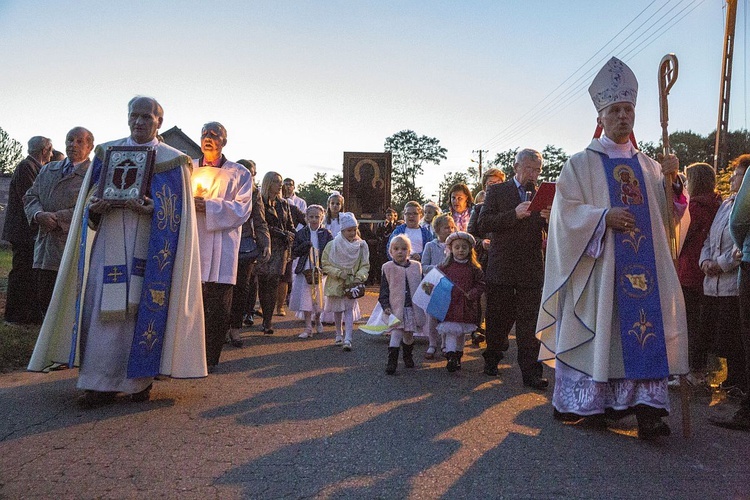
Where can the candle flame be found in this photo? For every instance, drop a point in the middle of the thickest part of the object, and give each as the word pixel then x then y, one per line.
pixel 202 182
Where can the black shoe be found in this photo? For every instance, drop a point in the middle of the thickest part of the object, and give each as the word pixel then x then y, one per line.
pixel 267 331
pixel 459 355
pixel 538 383
pixel 95 399
pixel 740 421
pixel 144 395
pixel 568 418
pixel 649 428
pixel 490 363
pixel 390 368
pixel 452 365
pixel 597 421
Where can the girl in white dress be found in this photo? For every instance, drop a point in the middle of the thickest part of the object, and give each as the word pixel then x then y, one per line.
pixel 309 242
pixel 335 206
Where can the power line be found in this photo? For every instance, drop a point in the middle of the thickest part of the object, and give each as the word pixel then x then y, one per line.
pixel 573 92
pixel 577 70
pixel 646 33
pixel 573 87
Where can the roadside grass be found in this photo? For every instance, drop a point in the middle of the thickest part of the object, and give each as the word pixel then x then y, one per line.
pixel 16 342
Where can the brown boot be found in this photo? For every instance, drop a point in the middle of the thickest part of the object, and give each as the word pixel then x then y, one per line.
pixel 281 299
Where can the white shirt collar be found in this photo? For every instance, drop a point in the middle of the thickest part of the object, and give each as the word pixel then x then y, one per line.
pixel 130 142
pixel 615 150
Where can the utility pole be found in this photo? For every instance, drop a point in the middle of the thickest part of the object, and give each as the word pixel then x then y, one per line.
pixel 722 128
pixel 481 152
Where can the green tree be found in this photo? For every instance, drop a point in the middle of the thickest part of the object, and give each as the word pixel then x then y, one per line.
pixel 319 189
pixel 505 161
pixel 554 159
pixel 738 142
pixel 690 147
pixel 10 153
pixel 410 152
pixel 649 149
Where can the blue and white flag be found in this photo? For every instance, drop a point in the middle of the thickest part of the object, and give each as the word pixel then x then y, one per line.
pixel 437 302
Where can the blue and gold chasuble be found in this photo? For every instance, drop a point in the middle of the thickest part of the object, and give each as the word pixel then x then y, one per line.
pixel 644 349
pixel 155 270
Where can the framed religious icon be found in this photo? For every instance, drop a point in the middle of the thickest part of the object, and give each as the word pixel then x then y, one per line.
pixel 367 184
pixel 126 173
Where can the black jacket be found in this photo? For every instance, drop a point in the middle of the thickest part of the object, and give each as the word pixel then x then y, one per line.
pixel 302 244
pixel 515 256
pixel 17 229
pixel 255 227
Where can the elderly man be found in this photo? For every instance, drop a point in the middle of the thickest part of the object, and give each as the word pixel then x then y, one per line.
pixel 223 201
pixel 19 234
pixel 612 319
pixel 132 304
pixel 515 268
pixel 49 205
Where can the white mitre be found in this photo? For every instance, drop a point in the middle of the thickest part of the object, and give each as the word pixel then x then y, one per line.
pixel 615 82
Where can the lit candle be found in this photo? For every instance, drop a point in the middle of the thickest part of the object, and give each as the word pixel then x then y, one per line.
pixel 203 181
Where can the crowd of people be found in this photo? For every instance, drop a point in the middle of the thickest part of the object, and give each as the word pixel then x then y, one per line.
pixel 157 284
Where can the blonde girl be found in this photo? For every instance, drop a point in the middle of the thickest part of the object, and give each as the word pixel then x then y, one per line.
pixel 398 282
pixel 433 255
pixel 308 246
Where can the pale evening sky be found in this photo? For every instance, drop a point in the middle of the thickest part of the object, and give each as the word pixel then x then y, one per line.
pixel 297 83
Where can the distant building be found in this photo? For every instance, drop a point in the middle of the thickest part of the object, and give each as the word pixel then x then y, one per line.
pixel 179 140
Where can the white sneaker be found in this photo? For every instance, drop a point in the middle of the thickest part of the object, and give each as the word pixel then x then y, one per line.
pixel 347 346
pixel 307 334
pixel 339 340
pixel 319 327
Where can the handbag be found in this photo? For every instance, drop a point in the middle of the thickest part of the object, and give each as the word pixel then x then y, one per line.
pixel 355 291
pixel 313 274
pixel 248 248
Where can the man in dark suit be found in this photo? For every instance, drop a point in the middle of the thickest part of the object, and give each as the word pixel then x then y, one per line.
pixel 17 231
pixel 515 268
pixel 255 246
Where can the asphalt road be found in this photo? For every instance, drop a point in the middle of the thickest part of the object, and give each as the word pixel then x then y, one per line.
pixel 289 418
